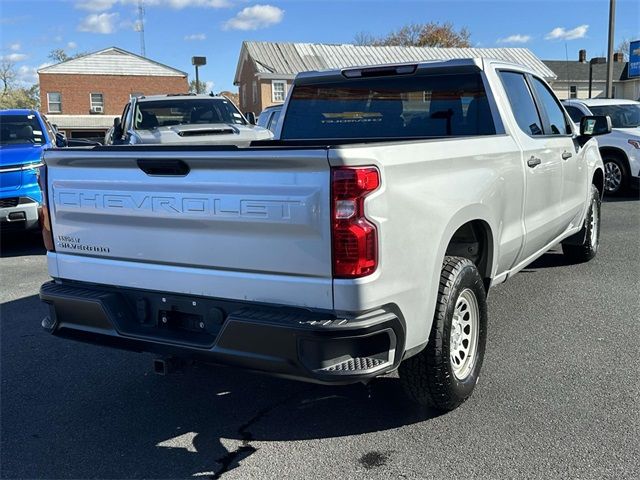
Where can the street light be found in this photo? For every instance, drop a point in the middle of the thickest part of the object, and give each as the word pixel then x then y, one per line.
pixel 592 62
pixel 198 62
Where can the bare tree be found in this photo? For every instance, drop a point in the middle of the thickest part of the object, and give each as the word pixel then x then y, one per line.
pixel 432 34
pixel 58 55
pixel 624 47
pixel 7 75
pixel 364 38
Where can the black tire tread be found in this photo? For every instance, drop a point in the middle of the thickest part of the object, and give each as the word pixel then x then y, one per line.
pixel 426 376
pixel 585 252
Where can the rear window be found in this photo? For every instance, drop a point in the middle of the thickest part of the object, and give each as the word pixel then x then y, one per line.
pixel 390 107
pixel 163 113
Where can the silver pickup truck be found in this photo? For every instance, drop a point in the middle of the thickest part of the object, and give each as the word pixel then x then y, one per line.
pixel 363 241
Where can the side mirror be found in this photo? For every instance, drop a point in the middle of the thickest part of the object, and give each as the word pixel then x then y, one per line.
pixel 60 140
pixel 251 117
pixel 592 125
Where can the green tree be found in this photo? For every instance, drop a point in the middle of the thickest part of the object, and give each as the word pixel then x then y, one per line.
pixel 431 34
pixel 14 95
pixel 193 87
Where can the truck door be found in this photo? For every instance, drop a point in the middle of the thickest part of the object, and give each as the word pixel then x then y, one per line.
pixel 542 166
pixel 574 170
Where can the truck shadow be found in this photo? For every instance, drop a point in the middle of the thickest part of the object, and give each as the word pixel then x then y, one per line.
pixel 72 410
pixel 18 244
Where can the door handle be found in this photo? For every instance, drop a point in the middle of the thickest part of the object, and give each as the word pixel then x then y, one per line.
pixel 566 155
pixel 163 166
pixel 534 162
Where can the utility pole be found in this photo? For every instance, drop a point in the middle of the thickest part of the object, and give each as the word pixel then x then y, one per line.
pixel 140 27
pixel 612 21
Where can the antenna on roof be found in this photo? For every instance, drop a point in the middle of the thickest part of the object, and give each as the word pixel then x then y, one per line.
pixel 139 27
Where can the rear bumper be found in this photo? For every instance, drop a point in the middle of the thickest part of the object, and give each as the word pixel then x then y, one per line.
pixel 22 216
pixel 316 346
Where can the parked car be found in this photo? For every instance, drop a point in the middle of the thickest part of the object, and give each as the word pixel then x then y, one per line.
pixel 24 134
pixel 269 117
pixel 184 118
pixel 620 149
pixel 363 241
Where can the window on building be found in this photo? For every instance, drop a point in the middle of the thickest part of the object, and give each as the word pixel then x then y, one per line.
pixel 54 101
pixel 97 102
pixel 278 90
pixel 244 101
pixel 573 91
pixel 255 91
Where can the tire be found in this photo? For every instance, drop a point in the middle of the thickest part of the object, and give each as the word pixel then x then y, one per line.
pixel 434 377
pixel 590 233
pixel 616 176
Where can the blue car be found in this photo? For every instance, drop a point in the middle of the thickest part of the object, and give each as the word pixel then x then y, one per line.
pixel 24 134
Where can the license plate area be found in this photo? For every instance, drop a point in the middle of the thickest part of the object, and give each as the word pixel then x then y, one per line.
pixel 170 319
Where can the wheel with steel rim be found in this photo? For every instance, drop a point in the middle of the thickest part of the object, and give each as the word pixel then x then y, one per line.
pixel 444 374
pixel 616 177
pixel 463 338
pixel 584 245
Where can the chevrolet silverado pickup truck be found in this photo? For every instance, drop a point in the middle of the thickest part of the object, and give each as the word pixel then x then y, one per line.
pixel 363 241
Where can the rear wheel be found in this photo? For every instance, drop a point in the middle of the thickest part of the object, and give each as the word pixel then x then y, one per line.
pixel 590 233
pixel 445 373
pixel 616 175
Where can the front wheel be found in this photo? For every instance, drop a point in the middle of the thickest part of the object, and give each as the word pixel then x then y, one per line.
pixel 589 235
pixel 445 373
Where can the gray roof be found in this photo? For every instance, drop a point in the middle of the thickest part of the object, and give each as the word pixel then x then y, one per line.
pixel 113 61
pixel 289 59
pixel 574 71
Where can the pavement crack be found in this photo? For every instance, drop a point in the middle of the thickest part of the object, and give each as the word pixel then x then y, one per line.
pixel 233 458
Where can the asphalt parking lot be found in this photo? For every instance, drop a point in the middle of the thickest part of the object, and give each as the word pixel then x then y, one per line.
pixel 559 396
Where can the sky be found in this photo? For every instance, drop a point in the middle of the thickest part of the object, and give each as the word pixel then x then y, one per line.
pixel 176 30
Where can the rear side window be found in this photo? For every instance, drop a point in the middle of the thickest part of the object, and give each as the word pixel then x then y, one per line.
pixel 522 104
pixel 575 113
pixel 557 120
pixel 390 107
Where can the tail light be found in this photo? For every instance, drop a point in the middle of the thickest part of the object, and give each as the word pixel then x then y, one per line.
pixel 43 211
pixel 355 238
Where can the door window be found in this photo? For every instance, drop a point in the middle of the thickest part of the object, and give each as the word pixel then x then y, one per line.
pixel 558 124
pixel 522 104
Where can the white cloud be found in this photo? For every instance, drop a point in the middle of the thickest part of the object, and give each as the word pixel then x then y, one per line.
pixel 96 5
pixel 517 38
pixel 196 36
pixel 14 47
pixel 99 23
pixel 14 57
pixel 72 45
pixel 253 18
pixel 208 86
pixel 561 33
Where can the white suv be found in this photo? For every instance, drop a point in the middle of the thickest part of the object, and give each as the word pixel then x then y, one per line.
pixel 620 149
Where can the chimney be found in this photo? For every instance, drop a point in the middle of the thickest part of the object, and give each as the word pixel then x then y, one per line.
pixel 618 57
pixel 582 56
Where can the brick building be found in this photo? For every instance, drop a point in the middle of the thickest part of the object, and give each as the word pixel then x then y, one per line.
pixel 83 95
pixel 265 70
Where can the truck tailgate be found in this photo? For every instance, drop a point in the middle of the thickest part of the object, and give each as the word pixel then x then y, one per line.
pixel 219 223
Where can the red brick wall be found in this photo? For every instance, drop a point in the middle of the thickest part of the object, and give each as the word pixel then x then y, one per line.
pixel 75 90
